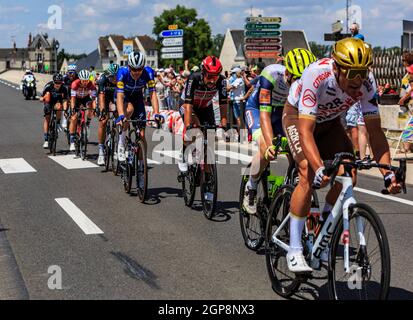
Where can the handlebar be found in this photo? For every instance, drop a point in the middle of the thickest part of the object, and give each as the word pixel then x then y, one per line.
pixel 142 122
pixel 332 167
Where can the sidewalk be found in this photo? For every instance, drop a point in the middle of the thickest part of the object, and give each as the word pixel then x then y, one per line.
pixel 15 76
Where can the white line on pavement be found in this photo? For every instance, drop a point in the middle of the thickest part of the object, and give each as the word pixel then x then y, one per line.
pixel 408 202
pixel 70 162
pixel 17 165
pixel 150 161
pixel 78 216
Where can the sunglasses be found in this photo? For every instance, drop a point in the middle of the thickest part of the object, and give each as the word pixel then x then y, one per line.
pixel 58 83
pixel 135 70
pixel 211 76
pixel 352 74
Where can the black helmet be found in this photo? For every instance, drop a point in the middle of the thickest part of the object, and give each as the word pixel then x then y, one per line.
pixel 57 77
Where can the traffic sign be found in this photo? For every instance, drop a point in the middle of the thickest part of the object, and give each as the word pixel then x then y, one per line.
pixel 275 47
pixel 173 27
pixel 172 49
pixel 172 33
pixel 264 41
pixel 263 54
pixel 175 55
pixel 172 42
pixel 337 26
pixel 263 34
pixel 263 19
pixel 262 26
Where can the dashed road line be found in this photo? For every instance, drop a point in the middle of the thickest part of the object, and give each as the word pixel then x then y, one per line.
pixel 16 165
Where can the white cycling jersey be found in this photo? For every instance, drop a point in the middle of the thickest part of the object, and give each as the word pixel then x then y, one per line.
pixel 318 96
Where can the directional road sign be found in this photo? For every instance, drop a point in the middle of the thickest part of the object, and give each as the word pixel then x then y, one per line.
pixel 172 42
pixel 262 26
pixel 263 19
pixel 275 47
pixel 262 54
pixel 263 34
pixel 172 49
pixel 263 41
pixel 172 33
pixel 176 55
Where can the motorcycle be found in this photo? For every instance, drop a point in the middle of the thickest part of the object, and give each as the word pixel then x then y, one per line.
pixel 29 87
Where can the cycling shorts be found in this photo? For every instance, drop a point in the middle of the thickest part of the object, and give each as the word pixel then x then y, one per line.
pixel 252 119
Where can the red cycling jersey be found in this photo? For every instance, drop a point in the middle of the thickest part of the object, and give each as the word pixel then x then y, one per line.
pixel 79 91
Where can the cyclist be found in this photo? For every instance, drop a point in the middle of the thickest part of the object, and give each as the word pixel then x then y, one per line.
pixel 311 121
pixel 264 113
pixel 68 79
pixel 54 96
pixel 83 93
pixel 106 100
pixel 131 81
pixel 196 100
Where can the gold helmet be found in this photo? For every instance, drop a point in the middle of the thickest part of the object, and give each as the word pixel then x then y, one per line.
pixel 352 53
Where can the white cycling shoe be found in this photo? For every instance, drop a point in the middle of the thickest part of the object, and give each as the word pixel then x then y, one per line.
pixel 46 145
pixel 121 153
pixel 297 264
pixel 183 166
pixel 72 147
pixel 250 200
pixel 101 160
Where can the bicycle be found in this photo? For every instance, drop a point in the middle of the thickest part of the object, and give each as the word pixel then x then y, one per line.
pixel 345 249
pixel 110 142
pixel 202 173
pixel 81 139
pixel 253 225
pixel 136 163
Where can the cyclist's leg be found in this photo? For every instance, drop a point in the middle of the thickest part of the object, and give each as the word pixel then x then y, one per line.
pixel 47 110
pixel 73 122
pixel 129 108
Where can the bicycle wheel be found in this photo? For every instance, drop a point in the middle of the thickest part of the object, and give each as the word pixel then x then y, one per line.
pixel 283 281
pixel 83 139
pixel 126 175
pixel 209 190
pixel 369 277
pixel 52 137
pixel 108 148
pixel 115 162
pixel 189 185
pixel 141 172
pixel 252 225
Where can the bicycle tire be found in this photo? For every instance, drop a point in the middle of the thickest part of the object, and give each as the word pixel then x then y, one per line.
pixel 83 150
pixel 209 184
pixel 115 162
pixel 52 136
pixel 141 191
pixel 274 256
pixel 382 290
pixel 250 224
pixel 189 186
pixel 108 148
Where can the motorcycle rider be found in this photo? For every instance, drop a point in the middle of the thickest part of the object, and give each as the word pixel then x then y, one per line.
pixel 28 77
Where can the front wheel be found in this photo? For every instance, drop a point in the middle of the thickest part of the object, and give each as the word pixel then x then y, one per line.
pixel 369 258
pixel 141 172
pixel 209 190
pixel 189 185
pixel 83 142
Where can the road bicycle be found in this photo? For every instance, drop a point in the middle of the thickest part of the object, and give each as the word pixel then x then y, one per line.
pixel 81 138
pixel 353 234
pixel 253 225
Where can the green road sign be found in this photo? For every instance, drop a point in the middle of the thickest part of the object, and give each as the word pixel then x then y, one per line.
pixel 263 19
pixel 262 34
pixel 262 26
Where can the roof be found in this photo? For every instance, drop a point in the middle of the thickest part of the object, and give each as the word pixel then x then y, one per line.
pixel 238 38
pixel 103 45
pixel 9 53
pixel 92 59
pixel 293 39
pixel 42 39
pixel 147 42
pixel 118 40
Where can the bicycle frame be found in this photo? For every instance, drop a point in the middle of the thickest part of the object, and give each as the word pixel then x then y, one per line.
pixel 341 207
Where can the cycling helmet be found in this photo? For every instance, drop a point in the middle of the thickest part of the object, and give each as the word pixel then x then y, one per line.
pixel 136 60
pixel 352 53
pixel 57 77
pixel 297 60
pixel 71 67
pixel 211 65
pixel 84 75
pixel 113 69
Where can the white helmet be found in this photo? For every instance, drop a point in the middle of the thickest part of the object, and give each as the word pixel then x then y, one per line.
pixel 71 67
pixel 84 75
pixel 136 60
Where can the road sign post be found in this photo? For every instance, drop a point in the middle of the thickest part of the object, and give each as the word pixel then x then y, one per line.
pixel 172 43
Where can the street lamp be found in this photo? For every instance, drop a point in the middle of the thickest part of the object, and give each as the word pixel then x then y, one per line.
pixel 57 45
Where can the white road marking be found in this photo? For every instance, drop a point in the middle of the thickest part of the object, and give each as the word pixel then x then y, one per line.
pixel 17 165
pixel 78 216
pixel 71 163
pixel 234 155
pixel 175 154
pixel 150 161
pixel 377 194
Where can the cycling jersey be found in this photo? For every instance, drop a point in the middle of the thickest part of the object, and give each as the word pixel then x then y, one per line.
pixel 68 82
pixel 253 101
pixel 56 95
pixel 78 91
pixel 107 87
pixel 130 87
pixel 318 96
pixel 273 90
pixel 199 95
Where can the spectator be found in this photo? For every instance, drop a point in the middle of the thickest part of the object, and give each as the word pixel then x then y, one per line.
pixel 408 94
pixel 160 91
pixel 238 90
pixel 354 29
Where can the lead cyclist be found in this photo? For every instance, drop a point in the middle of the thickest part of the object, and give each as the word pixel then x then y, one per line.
pixel 311 121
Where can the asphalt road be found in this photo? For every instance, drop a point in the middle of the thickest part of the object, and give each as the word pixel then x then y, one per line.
pixel 159 250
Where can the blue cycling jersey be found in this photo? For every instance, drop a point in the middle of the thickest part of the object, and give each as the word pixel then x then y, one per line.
pixel 127 85
pixel 254 99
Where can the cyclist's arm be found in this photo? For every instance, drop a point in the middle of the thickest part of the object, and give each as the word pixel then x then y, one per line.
pixel 378 142
pixel 152 92
pixel 265 90
pixel 188 108
pixel 306 128
pixel 120 95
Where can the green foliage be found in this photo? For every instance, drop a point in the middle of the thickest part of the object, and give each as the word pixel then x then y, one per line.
pixel 197 33
pixel 69 57
pixel 319 50
pixel 217 43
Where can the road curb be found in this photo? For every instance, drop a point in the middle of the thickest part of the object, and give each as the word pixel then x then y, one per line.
pixel 12 285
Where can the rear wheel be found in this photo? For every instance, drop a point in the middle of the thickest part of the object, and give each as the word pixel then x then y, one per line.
pixel 52 137
pixel 83 140
pixel 189 185
pixel 141 172
pixel 209 190
pixel 283 281
pixel 108 149
pixel 115 162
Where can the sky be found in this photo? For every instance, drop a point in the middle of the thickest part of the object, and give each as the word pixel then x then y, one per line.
pixel 84 21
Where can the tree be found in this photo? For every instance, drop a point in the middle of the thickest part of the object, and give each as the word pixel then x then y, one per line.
pixel 319 50
pixel 69 57
pixel 217 43
pixel 197 33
